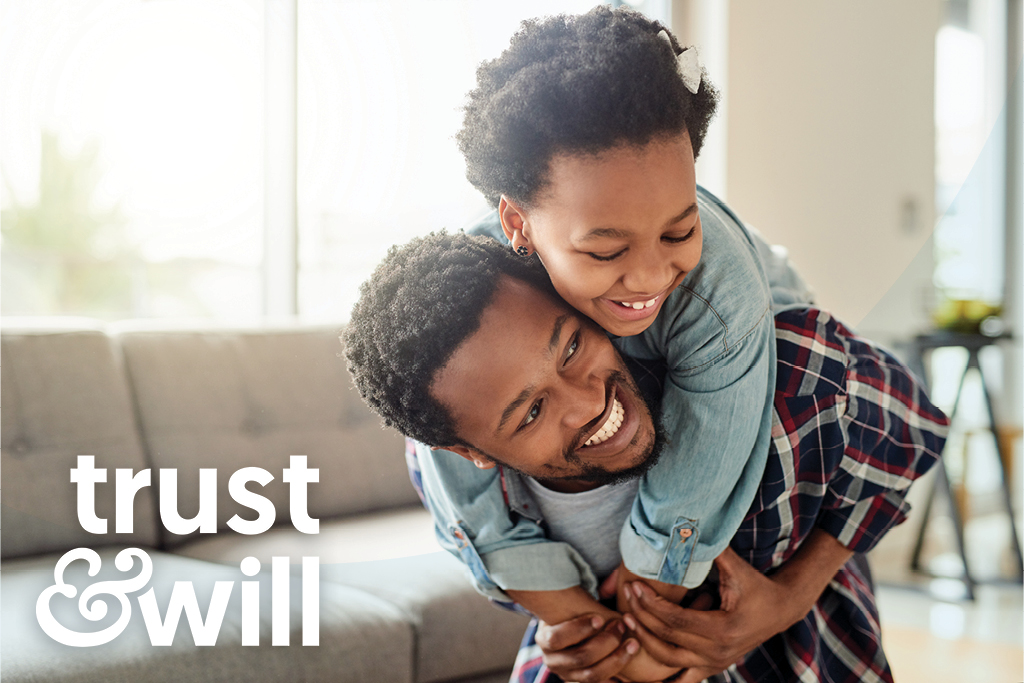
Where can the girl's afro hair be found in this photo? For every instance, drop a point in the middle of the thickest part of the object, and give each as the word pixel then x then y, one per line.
pixel 576 84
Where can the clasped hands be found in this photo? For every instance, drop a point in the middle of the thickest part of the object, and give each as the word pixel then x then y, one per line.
pixel 655 639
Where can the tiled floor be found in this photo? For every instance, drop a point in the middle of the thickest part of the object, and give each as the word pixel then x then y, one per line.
pixel 919 657
pixel 930 632
pixel 933 641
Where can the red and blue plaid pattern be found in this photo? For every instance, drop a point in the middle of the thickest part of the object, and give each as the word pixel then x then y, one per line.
pixel 852 429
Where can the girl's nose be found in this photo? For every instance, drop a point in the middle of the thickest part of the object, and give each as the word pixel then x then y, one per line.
pixel 648 274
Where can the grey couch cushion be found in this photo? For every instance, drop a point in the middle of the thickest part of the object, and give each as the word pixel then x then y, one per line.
pixel 362 637
pixel 236 398
pixel 459 633
pixel 64 395
pixel 374 536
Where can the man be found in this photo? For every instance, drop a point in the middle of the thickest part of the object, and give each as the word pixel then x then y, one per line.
pixel 459 344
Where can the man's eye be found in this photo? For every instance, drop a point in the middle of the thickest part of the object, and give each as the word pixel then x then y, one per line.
pixel 610 257
pixel 533 414
pixel 573 346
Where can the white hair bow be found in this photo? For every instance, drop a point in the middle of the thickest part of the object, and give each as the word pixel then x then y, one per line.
pixel 687 63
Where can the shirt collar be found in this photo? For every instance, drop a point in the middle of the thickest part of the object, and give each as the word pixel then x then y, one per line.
pixel 518 496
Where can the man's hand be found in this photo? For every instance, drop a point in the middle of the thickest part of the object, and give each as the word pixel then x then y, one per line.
pixel 587 649
pixel 754 608
pixel 708 642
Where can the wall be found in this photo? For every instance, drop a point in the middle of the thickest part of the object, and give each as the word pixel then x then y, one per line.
pixel 830 147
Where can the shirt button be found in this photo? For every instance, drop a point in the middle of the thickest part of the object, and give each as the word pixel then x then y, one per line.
pixel 685 533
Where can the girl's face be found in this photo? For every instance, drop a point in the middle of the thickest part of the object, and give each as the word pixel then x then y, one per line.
pixel 617 232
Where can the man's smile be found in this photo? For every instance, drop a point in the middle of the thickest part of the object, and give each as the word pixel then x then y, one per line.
pixel 615 429
pixel 611 426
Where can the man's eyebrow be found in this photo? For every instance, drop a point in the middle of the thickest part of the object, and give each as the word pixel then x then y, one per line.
pixel 514 405
pixel 519 400
pixel 624 234
pixel 556 333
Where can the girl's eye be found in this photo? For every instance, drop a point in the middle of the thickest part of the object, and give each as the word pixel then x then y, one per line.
pixel 533 414
pixel 610 257
pixel 678 240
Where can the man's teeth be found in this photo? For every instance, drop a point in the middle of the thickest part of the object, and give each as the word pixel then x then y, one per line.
pixel 611 426
pixel 639 305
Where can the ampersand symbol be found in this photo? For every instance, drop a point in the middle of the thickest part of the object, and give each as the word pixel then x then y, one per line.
pixel 98 609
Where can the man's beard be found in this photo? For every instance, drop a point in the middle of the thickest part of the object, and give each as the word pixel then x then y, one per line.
pixel 600 476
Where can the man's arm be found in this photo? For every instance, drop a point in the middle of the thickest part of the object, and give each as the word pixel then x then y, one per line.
pixel 868 477
pixel 754 608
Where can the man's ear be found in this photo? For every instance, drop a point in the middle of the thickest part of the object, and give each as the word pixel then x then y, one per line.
pixel 474 456
pixel 513 222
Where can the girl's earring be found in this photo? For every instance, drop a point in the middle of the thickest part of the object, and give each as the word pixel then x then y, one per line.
pixel 522 251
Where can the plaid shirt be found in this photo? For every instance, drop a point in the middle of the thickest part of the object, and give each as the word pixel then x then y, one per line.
pixel 851 430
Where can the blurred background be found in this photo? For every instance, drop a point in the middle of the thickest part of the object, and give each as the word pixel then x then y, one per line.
pixel 240 161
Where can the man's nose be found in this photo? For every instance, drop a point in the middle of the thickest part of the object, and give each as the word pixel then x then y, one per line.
pixel 586 398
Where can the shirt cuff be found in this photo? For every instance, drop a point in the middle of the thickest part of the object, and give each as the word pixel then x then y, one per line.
pixel 859 527
pixel 546 566
pixel 668 559
pixel 697 572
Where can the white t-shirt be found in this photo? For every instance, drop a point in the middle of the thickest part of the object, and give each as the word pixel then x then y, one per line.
pixel 589 521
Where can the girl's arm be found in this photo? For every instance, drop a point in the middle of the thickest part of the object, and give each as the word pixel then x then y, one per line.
pixel 716 336
pixel 624 578
pixel 717 413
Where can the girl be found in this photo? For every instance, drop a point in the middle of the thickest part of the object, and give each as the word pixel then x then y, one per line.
pixel 583 134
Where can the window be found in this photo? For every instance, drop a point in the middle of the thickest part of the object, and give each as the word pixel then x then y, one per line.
pixel 134 135
pixel 132 158
pixel 970 118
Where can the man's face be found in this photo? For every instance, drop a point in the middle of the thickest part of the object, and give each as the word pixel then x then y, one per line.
pixel 540 388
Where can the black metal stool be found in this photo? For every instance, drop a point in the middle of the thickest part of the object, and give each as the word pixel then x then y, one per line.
pixel 973 343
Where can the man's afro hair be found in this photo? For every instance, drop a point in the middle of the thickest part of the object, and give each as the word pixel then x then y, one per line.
pixel 576 84
pixel 423 300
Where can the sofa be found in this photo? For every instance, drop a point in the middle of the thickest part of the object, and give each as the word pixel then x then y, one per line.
pixel 383 601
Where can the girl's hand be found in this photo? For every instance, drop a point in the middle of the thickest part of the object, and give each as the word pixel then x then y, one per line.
pixel 588 649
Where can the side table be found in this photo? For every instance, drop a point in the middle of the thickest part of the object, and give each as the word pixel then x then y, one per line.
pixel 972 343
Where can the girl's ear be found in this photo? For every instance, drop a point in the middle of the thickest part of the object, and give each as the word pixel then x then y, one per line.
pixel 513 220
pixel 475 457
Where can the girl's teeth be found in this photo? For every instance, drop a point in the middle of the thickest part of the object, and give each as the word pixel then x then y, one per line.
pixel 639 305
pixel 610 427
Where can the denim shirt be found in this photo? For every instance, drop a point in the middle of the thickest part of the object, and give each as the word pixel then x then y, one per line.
pixel 717 336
